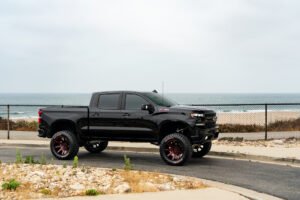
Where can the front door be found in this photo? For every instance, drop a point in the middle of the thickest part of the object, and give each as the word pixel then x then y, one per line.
pixel 136 121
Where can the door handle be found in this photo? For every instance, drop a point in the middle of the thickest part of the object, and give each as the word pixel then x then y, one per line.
pixel 125 115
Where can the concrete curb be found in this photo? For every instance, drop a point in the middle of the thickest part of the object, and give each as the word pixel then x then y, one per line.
pixel 155 150
pixel 250 194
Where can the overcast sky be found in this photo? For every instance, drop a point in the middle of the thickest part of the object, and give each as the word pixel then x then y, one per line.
pixel 193 46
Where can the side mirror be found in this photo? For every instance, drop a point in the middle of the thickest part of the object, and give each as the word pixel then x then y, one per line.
pixel 148 107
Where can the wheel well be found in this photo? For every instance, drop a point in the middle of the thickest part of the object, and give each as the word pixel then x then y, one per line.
pixel 62 125
pixel 174 127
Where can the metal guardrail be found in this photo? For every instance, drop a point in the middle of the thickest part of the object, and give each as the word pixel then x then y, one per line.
pixel 266 112
pixel 33 105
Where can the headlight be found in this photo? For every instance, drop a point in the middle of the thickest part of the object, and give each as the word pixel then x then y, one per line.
pixel 196 115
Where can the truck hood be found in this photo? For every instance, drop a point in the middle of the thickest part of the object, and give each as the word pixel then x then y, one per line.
pixel 186 108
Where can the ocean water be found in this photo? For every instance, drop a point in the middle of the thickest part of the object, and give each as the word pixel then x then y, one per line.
pixel 181 98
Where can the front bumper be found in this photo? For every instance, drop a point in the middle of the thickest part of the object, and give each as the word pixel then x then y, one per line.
pixel 202 136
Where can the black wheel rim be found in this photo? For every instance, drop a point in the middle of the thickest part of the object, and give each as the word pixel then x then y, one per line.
pixel 174 150
pixel 61 145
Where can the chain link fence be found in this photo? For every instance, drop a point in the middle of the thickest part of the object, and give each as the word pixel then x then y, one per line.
pixel 250 121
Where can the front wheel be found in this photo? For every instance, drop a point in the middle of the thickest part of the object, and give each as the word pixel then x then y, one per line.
pixel 175 149
pixel 200 150
pixel 96 146
pixel 64 145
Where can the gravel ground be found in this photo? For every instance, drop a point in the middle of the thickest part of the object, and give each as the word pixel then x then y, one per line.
pixel 40 181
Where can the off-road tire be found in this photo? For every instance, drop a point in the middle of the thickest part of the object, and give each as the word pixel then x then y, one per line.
pixel 202 150
pixel 71 144
pixel 96 148
pixel 175 143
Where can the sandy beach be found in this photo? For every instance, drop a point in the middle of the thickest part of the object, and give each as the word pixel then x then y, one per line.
pixel 257 118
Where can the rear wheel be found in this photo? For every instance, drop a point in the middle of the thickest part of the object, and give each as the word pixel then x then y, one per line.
pixel 175 149
pixel 200 150
pixel 96 146
pixel 64 145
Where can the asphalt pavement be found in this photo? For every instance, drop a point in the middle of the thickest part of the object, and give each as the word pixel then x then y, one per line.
pixel 278 180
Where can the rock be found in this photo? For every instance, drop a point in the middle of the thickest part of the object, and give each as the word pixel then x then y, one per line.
pixel 165 187
pixel 123 188
pixel 279 142
pixel 37 173
pixel 149 187
pixel 35 179
pixel 77 186
pixel 176 179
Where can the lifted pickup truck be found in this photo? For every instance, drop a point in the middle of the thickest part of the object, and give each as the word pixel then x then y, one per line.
pixel 181 131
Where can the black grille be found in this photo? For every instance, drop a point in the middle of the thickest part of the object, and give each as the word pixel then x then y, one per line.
pixel 210 120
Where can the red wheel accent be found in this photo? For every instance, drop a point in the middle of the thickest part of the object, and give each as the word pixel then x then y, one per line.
pixel 174 149
pixel 61 145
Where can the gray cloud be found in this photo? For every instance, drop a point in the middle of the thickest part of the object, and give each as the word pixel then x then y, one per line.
pixel 193 46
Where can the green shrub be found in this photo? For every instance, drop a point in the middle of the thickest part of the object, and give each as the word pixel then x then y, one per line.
pixel 19 156
pixel 92 192
pixel 114 169
pixel 44 159
pixel 11 185
pixel 46 192
pixel 127 165
pixel 30 160
pixel 65 165
pixel 75 162
pixel 83 168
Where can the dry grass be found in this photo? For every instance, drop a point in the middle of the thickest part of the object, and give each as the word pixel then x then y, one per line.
pixel 141 181
pixel 287 125
pixel 19 125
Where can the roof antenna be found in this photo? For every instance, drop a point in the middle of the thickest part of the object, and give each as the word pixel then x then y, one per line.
pixel 163 90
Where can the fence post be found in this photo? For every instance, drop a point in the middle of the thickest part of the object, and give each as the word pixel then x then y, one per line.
pixel 266 121
pixel 8 136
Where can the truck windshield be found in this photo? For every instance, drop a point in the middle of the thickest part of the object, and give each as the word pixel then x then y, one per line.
pixel 159 99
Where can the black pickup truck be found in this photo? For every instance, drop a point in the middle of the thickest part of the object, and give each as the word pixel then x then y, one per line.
pixel 181 131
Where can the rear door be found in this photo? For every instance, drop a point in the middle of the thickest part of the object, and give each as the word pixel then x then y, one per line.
pixel 137 121
pixel 106 118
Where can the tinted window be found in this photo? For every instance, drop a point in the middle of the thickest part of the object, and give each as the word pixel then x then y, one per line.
pixel 159 99
pixel 109 101
pixel 134 102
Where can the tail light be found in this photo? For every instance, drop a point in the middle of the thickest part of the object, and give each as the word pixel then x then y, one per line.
pixel 40 118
